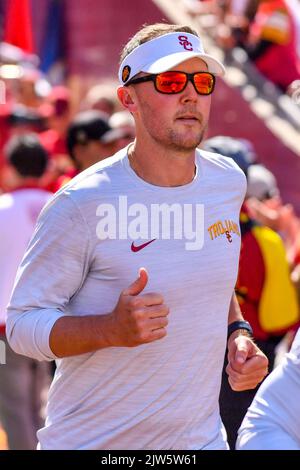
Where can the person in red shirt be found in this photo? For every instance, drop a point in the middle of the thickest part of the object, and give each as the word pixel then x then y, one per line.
pixel 273 41
pixel 57 112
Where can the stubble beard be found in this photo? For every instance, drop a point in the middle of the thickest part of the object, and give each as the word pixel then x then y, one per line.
pixel 168 137
pixel 180 142
pixel 185 144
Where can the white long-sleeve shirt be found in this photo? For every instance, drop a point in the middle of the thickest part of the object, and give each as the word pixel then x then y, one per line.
pixel 161 395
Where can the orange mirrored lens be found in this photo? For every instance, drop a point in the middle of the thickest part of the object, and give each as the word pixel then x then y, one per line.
pixel 175 82
pixel 171 82
pixel 204 83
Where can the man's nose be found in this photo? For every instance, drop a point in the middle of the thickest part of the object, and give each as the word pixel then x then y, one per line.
pixel 189 93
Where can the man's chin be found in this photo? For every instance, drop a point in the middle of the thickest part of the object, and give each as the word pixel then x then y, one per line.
pixel 188 144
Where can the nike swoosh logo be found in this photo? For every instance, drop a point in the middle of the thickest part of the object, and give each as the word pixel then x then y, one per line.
pixel 140 247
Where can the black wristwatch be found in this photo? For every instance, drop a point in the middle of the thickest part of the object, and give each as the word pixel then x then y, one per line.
pixel 239 325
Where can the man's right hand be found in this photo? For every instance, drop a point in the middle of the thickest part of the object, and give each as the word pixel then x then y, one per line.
pixel 138 318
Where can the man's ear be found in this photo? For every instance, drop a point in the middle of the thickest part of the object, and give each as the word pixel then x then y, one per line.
pixel 127 99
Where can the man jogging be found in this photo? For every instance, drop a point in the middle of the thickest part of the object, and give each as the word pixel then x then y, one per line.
pixel 128 281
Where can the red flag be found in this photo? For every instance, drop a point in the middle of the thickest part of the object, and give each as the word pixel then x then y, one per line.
pixel 18 27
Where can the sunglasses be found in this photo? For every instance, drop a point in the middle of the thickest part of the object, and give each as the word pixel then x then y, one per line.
pixel 174 82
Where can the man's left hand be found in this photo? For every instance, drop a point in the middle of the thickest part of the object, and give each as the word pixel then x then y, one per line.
pixel 247 364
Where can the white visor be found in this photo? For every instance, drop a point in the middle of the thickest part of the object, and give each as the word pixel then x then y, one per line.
pixel 165 52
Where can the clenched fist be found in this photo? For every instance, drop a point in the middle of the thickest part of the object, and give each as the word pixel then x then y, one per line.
pixel 247 364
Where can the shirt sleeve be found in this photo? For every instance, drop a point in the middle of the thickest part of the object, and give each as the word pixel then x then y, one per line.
pixel 52 271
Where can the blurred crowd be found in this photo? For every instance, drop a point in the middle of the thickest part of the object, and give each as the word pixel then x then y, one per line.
pixel 32 105
pixel 47 136
pixel 267 30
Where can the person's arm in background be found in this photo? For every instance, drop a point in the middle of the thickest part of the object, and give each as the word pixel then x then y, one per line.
pixel 247 364
pixel 280 218
pixel 53 270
